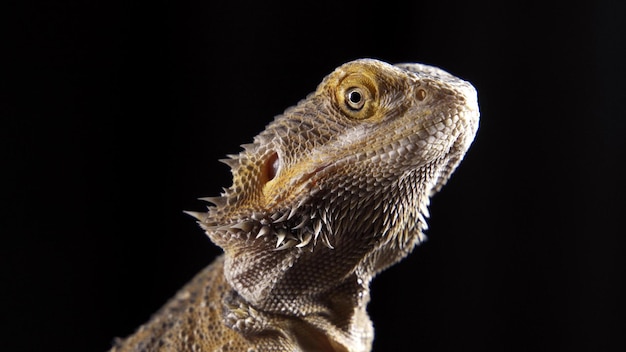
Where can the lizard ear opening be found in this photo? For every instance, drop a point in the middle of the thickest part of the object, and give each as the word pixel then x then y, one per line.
pixel 270 168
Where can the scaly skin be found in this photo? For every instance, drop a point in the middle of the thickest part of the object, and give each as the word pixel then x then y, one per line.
pixel 332 192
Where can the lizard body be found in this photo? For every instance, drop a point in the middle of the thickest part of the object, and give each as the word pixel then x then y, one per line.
pixel 332 192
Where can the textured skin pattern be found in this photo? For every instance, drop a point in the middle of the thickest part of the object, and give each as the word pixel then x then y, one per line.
pixel 333 191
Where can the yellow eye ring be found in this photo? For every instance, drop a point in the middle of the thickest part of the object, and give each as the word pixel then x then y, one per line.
pixel 357 96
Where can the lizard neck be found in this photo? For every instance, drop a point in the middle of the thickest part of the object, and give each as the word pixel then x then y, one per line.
pixel 352 243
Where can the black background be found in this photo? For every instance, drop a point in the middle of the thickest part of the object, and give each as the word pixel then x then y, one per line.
pixel 113 116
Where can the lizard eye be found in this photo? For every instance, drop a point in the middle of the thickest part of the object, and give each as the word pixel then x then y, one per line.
pixel 357 96
pixel 354 98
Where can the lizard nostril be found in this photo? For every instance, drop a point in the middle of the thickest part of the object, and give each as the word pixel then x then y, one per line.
pixel 421 94
pixel 271 167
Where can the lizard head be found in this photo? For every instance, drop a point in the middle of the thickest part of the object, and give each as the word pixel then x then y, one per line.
pixel 340 183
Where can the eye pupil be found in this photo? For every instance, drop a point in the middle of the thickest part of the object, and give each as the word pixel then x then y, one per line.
pixel 355 97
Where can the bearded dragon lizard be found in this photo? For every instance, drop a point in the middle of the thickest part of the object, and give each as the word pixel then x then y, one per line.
pixel 331 193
